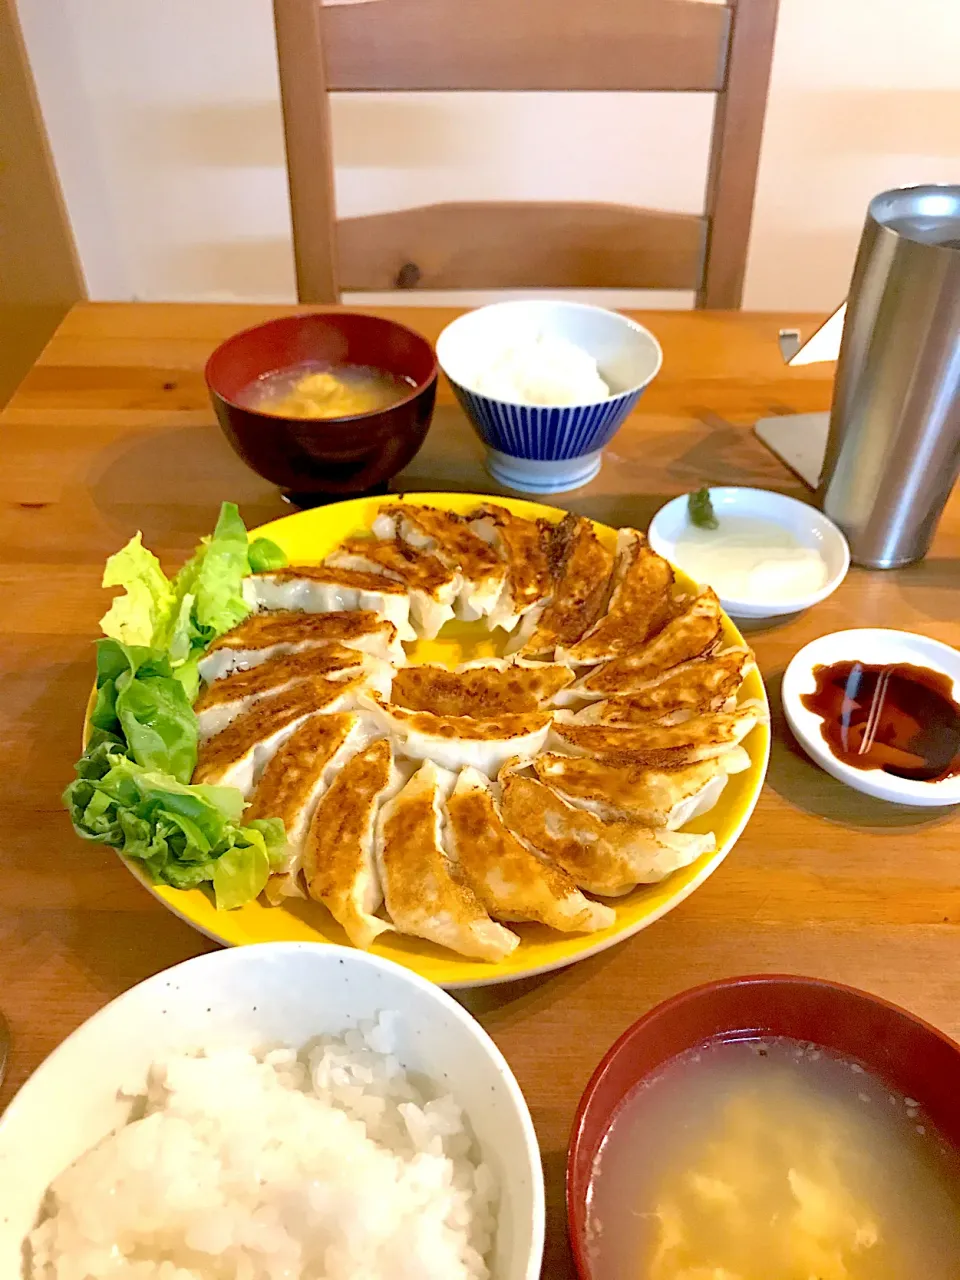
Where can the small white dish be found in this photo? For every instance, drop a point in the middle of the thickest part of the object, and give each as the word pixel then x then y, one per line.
pixel 251 997
pixel 869 645
pixel 809 527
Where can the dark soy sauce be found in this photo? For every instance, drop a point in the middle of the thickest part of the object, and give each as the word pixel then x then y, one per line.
pixel 895 717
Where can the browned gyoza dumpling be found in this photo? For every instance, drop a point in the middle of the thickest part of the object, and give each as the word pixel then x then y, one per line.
pixel 291 785
pixel 454 742
pixel 235 756
pixel 221 702
pixel 524 545
pixel 512 882
pixel 638 791
pixel 424 892
pixel 448 537
pixel 693 631
pixel 484 689
pixel 317 588
pixel 702 684
pixel 650 742
pixel 433 586
pixel 263 636
pixel 581 566
pixel 606 858
pixel 641 602
pixel 339 861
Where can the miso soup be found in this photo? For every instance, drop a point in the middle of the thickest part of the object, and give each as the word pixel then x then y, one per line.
pixel 772 1160
pixel 319 391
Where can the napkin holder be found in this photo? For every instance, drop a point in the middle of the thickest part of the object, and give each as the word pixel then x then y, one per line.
pixel 800 439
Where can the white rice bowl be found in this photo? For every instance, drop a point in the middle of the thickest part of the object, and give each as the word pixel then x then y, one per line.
pixel 395 1144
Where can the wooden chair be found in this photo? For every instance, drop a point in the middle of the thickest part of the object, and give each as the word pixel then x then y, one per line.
pixel 662 45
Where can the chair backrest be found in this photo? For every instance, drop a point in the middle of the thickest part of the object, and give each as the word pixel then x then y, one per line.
pixel 600 45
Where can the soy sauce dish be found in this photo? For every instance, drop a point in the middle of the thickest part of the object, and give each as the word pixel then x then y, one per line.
pixel 765 555
pixel 880 710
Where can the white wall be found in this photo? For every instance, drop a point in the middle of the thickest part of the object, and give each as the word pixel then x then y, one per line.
pixel 165 124
pixel 865 95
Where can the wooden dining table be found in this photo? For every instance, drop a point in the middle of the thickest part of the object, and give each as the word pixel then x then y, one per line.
pixel 112 431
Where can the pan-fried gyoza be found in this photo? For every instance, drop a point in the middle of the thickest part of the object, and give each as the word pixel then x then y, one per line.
pixel 222 701
pixel 448 803
pixel 433 586
pixel 236 755
pixel 262 636
pixel 640 604
pixel 693 631
pixel 426 894
pixel 454 742
pixel 618 738
pixel 293 782
pixel 525 547
pixel 605 858
pixel 580 566
pixel 450 538
pixel 485 689
pixel 318 588
pixel 637 791
pixel 339 859
pixel 512 882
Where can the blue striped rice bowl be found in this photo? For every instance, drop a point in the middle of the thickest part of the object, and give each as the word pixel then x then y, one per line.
pixel 537 448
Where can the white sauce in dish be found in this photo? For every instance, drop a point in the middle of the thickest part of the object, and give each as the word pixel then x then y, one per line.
pixel 751 559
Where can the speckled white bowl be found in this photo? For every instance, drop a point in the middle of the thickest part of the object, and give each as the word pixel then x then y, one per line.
pixel 249 997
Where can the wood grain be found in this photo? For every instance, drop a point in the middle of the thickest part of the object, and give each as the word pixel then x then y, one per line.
pixel 112 431
pixel 735 151
pixel 515 246
pixel 309 148
pixel 536 44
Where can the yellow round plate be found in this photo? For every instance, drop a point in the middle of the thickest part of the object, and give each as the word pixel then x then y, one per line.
pixel 311 535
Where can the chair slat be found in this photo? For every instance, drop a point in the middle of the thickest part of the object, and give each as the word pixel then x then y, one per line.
pixel 520 245
pixel 526 45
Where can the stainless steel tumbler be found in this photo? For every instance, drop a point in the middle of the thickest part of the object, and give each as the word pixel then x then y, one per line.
pixel 893 451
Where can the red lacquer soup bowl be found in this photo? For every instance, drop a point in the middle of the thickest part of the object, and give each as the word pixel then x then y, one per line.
pixel 330 457
pixel 910 1055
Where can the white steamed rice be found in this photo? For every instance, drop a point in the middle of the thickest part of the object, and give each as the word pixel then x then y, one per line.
pixel 326 1165
pixel 542 369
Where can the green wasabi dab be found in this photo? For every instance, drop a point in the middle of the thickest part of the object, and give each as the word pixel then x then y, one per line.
pixel 701 511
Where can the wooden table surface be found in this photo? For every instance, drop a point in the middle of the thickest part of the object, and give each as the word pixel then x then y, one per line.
pixel 112 432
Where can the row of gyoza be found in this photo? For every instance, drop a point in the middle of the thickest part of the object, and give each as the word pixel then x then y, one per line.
pixel 507 790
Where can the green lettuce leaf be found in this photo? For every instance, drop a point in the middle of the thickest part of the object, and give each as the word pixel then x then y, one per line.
pixel 265 555
pixel 240 874
pixel 144 611
pixel 213 576
pixel 182 835
pixel 141 704
pixel 188 674
pixel 132 787
pixel 204 600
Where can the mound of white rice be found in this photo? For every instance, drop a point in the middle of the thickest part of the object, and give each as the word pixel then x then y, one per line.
pixel 542 369
pixel 327 1165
